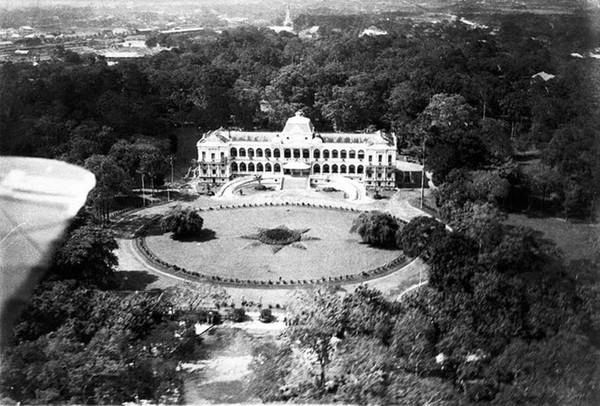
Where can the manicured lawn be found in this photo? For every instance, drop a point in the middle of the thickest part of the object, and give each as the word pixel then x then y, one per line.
pixel 575 240
pixel 335 252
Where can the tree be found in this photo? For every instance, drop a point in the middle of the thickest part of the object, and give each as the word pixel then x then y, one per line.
pixel 496 138
pixel 361 371
pixel 87 346
pixel 270 365
pixel 183 222
pixel 481 222
pixel 314 323
pixel 543 182
pixel 153 164
pixel 562 370
pixel 87 255
pixel 188 297
pixel 448 126
pixel 110 181
pixel 376 228
pixel 418 235
pixel 489 186
pixel 452 262
pixel 366 312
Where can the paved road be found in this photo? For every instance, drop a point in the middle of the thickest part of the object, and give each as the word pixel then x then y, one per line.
pixel 131 260
pixel 392 284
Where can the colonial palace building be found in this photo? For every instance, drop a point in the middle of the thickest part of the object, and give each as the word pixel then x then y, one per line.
pixel 298 150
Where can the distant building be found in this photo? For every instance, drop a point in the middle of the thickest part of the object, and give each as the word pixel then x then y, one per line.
pixel 543 76
pixel 298 150
pixel 372 31
pixel 288 23
pixel 310 33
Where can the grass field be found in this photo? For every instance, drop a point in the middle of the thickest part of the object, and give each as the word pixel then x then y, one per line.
pixel 576 240
pixel 335 252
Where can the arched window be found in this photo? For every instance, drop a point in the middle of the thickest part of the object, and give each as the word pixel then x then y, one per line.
pixel 316 154
pixel 359 169
pixel 343 169
pixel 343 154
pixel 242 152
pixel 268 167
pixel 242 167
pixel 352 154
pixel 233 152
pixel 316 168
pixel 305 153
pixel 250 167
pixel 334 169
pixel 334 154
pixel 277 153
pixel 267 153
pixel 296 153
pixel 259 153
pixel 325 168
pixel 259 167
pixel 250 152
pixel 234 167
pixel 361 154
pixel 351 169
pixel 277 168
pixel 287 153
pixel 325 154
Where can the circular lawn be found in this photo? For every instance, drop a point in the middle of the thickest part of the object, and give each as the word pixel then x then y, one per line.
pixel 234 247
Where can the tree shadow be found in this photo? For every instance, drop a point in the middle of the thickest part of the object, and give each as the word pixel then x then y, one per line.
pixel 391 247
pixel 184 197
pixel 128 225
pixel 206 234
pixel 133 280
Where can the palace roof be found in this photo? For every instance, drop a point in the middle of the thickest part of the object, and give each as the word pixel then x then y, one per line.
pixel 297 129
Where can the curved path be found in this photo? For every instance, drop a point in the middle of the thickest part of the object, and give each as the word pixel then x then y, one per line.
pixel 228 189
pixel 392 284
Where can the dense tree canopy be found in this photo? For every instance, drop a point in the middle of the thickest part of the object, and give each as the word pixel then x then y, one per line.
pixel 500 323
pixel 468 92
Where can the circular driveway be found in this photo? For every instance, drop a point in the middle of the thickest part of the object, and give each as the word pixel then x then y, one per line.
pixel 328 248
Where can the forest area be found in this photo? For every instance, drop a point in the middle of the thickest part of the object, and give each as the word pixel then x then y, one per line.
pixel 505 318
pixel 470 93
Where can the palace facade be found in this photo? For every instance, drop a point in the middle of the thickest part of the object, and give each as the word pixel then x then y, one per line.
pixel 298 150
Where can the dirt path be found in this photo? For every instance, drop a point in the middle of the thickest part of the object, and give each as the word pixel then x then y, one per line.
pixel 224 377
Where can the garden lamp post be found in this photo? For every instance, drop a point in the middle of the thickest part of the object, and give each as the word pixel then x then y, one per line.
pixel 171 184
pixel 143 190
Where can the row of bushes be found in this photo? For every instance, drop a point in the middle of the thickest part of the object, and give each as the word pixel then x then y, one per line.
pixel 393 265
pixel 273 204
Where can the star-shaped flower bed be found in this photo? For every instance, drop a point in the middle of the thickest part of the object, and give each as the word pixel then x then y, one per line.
pixel 279 237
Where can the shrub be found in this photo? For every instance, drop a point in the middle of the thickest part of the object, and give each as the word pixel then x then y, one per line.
pixel 238 315
pixel 182 222
pixel 376 228
pixel 266 316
